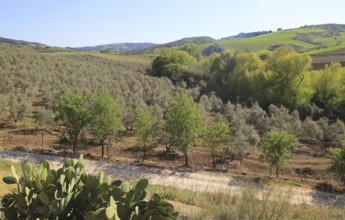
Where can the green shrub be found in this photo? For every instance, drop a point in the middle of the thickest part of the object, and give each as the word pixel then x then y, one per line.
pixel 71 193
pixel 338 160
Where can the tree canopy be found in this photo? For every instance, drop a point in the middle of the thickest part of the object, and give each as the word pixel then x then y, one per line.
pixel 215 136
pixel 145 125
pixel 105 118
pixel 184 124
pixel 275 147
pixel 73 112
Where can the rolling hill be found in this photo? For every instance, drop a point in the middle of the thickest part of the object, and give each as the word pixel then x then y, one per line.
pixel 116 47
pixel 316 40
pixel 20 42
pixel 311 39
pixel 193 40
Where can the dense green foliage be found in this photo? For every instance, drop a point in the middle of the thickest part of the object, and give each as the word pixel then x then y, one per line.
pixel 329 87
pixel 269 78
pixel 184 124
pixel 281 77
pixel 275 148
pixel 71 193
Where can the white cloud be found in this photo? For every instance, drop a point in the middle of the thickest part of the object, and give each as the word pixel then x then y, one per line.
pixel 263 3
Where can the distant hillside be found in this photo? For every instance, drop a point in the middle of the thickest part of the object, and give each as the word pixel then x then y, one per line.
pixel 116 47
pixel 194 40
pixel 311 39
pixel 11 41
pixel 247 35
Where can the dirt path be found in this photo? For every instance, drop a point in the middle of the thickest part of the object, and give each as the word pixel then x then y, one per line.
pixel 196 181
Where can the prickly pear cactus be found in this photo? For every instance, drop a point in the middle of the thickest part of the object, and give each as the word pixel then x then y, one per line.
pixel 71 193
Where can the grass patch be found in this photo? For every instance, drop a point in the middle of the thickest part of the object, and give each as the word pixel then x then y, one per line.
pixel 290 183
pixel 327 49
pixel 270 203
pixel 181 195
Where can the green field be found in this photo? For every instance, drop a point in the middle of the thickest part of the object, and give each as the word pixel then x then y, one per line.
pixel 327 49
pixel 265 41
pixel 332 41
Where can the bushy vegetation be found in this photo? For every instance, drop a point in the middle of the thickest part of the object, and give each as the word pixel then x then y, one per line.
pixel 71 193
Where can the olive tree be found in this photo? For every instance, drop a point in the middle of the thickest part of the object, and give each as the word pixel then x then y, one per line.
pixel 105 118
pixel 73 112
pixel 145 125
pixel 338 160
pixel 19 106
pixel 3 105
pixel 214 137
pixel 44 117
pixel 184 124
pixel 275 146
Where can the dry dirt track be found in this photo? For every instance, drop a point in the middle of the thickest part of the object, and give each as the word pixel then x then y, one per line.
pixel 196 181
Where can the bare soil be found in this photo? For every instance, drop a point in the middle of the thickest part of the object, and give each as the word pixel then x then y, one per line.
pixel 319 60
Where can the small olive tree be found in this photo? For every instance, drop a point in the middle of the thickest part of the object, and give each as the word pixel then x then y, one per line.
pixel 338 160
pixel 214 137
pixel 184 124
pixel 3 105
pixel 74 113
pixel 145 125
pixel 105 118
pixel 275 147
pixel 19 106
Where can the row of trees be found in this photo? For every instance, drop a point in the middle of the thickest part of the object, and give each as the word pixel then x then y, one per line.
pixel 102 115
pixel 183 127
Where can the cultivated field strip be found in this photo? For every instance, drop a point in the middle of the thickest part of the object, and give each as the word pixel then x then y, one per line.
pixel 195 181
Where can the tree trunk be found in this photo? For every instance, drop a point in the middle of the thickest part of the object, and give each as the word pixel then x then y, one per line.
pixel 213 160
pixel 186 159
pixel 277 171
pixel 75 144
pixel 145 152
pixel 102 143
pixel 168 147
pixel 129 128
pixel 42 137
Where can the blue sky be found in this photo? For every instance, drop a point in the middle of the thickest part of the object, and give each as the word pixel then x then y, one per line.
pixel 93 22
